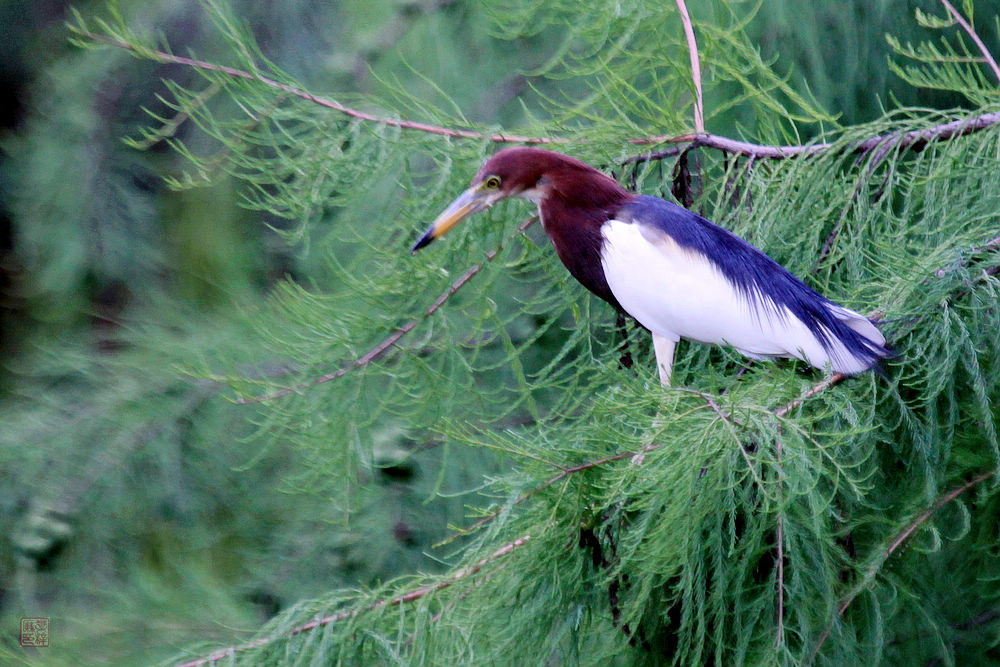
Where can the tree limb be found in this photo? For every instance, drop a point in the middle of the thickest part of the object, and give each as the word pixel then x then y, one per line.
pixel 914 139
pixel 164 57
pixel 344 615
pixel 901 537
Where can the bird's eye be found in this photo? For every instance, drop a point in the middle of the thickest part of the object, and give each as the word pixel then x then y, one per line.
pixel 493 182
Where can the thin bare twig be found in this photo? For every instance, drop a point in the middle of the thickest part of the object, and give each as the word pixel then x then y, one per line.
pixel 699 106
pixel 895 544
pixel 344 615
pixel 780 632
pixel 975 38
pixel 394 337
pixel 818 388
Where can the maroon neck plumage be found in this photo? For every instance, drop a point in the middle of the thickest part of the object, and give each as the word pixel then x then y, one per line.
pixel 574 200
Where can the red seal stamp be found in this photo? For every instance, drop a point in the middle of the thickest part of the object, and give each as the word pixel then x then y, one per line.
pixel 34 632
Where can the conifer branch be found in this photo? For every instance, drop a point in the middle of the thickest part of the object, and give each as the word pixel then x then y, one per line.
pixel 862 182
pixel 719 532
pixel 378 350
pixel 349 613
pixel 164 57
pixel 897 541
pixel 566 472
pixel 975 38
pixel 387 343
pixel 914 139
pixel 710 403
pixel 901 537
pixel 699 106
pixel 818 388
pixel 837 378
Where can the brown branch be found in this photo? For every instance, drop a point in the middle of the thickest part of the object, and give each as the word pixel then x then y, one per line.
pixel 975 38
pixel 699 105
pixel 895 544
pixel 164 57
pixel 913 139
pixel 393 338
pixel 344 615
pixel 818 388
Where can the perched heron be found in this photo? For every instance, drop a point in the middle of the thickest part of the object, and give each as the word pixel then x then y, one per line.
pixel 678 274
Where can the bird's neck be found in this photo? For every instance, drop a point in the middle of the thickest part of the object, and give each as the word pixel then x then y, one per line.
pixel 584 199
pixel 573 223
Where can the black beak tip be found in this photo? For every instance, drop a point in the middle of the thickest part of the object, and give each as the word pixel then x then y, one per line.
pixel 424 240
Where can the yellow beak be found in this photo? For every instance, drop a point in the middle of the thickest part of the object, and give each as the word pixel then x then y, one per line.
pixel 471 201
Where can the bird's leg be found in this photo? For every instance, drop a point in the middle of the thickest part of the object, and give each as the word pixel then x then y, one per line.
pixel 664 348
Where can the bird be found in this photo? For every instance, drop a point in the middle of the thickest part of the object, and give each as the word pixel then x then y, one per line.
pixel 676 273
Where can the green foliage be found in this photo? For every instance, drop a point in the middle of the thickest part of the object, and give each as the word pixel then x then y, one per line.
pixel 608 53
pixel 743 516
pixel 949 64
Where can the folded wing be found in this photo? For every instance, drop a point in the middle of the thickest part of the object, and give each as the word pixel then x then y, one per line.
pixel 682 276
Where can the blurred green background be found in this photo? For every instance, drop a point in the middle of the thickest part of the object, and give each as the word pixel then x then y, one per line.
pixel 138 508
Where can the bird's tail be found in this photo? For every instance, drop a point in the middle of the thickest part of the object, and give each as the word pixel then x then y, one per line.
pixel 857 344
